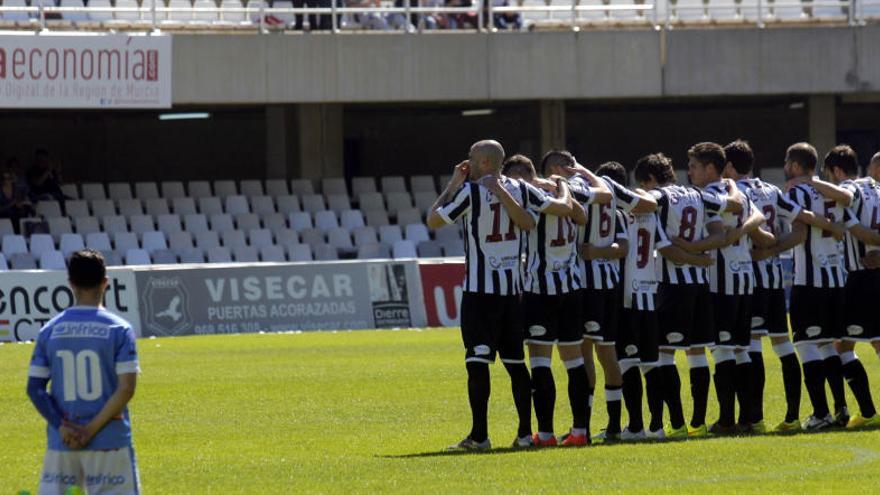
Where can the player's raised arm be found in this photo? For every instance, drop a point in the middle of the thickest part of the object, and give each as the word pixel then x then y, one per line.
pixel 599 190
pixel 735 199
pixel 560 204
pixel 515 211
pixel 438 218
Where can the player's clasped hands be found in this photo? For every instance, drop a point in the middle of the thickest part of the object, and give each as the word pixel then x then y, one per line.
pixel 74 436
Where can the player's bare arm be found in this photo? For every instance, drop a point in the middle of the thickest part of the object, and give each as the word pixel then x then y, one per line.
pixel 601 192
pixel 675 254
pixel 735 198
pixel 749 227
pixel 615 251
pixel 716 239
pixel 560 206
pixel 838 230
pixel 783 243
pixel 645 204
pixel 459 176
pixel 831 191
pixel 515 211
pixel 864 234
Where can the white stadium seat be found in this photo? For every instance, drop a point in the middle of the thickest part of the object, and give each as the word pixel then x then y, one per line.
pixel 52 260
pixel 159 206
pixel 207 239
pixel 262 205
pixel 351 219
pixel 277 187
pixel 40 243
pixel 371 201
pixel 163 257
pixel 77 208
pixel 119 190
pixel 195 223
pixel 301 187
pixel 142 223
pixel 205 16
pixel 339 238
pixel 409 215
pixel 123 241
pixel 194 255
pixel 326 220
pixel 103 207
pixel 184 206
pixel 86 225
pixel 286 237
pixel 114 223
pixel 362 185
pixel 338 202
pixel 417 232
pixel 222 222
pixel 233 239
pixel 3 264
pixel 137 257
pixel 59 226
pixel 313 203
pixel 373 252
pixel 180 241
pixel 430 249
pixel 251 188
pixel 424 200
pixel 210 205
pixel 312 237
pixel 325 252
pixel 68 190
pixel 71 243
pixel 275 222
pixel 99 241
pixel 299 252
pixel 334 186
pixel 6 227
pixel 49 209
pixel 144 190
pixel 92 191
pixel 422 183
pixel 247 221
pixel 246 254
pixel 300 221
pixel 130 207
pixel 393 183
pixel 22 261
pixel 199 188
pixel 219 254
pixel 169 223
pixel 377 218
pixel 389 234
pixel 287 204
pixel 448 232
pixel 73 16
pixel 398 201
pixel 225 188
pixel 364 235
pixel 259 238
pixel 404 249
pixel 171 189
pixel 453 248
pixel 273 254
pixel 154 241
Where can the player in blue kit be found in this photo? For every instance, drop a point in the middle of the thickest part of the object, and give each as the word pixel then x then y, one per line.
pixel 88 357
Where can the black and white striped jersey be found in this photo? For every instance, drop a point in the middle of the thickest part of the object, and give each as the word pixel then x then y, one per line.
pixel 684 212
pixel 493 243
pixel 601 230
pixel 551 254
pixel 780 213
pixel 732 273
pixel 865 209
pixel 640 266
pixel 818 262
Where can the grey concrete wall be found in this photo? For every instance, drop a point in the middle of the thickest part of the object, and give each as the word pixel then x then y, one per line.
pixel 386 67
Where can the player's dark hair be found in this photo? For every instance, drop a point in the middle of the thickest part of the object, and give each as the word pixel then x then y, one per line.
pixel 709 154
pixel 804 154
pixel 741 156
pixel 519 164
pixel 86 269
pixel 656 165
pixel 843 157
pixel 561 158
pixel 615 171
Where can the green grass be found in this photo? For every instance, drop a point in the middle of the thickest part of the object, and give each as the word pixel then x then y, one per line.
pixel 371 411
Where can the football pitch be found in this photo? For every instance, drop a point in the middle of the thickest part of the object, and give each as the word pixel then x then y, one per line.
pixel 371 411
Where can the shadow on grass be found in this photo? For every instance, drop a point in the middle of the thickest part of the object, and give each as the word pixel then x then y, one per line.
pixel 510 450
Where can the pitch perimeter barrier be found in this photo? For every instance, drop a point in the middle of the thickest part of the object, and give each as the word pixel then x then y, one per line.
pixel 171 300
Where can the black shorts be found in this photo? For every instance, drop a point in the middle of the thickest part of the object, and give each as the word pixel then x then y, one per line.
pixel 685 316
pixel 553 319
pixel 817 314
pixel 638 338
pixel 492 324
pixel 733 321
pixel 769 314
pixel 600 308
pixel 862 321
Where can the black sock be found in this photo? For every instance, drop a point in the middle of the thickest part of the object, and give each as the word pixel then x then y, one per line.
pixel 791 379
pixel 632 396
pixel 672 394
pixel 814 379
pixel 743 383
pixel 613 406
pixel 544 395
pixel 834 376
pixel 758 379
pixel 654 391
pixel 579 396
pixel 857 379
pixel 726 392
pixel 478 395
pixel 521 386
pixel 700 378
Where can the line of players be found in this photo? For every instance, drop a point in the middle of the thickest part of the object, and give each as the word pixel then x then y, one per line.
pixel 638 274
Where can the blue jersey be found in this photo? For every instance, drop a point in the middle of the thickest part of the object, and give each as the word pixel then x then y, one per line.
pixel 82 351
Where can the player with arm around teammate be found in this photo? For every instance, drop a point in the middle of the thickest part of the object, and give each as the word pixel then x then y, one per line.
pixel 88 358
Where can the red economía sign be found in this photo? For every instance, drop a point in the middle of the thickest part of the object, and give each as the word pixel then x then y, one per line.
pixel 442 287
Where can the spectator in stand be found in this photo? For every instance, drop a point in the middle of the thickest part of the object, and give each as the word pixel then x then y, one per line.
pixel 44 180
pixel 511 20
pixel 372 20
pixel 14 202
pixel 462 21
pixel 436 21
pixel 316 22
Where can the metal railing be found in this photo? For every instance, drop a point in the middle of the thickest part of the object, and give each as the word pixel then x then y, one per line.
pixel 155 15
